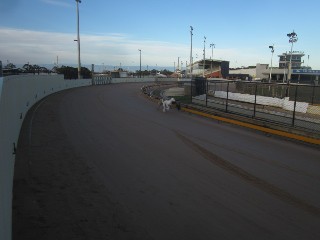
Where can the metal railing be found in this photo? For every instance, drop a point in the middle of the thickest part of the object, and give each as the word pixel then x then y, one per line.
pixel 292 105
pixel 101 80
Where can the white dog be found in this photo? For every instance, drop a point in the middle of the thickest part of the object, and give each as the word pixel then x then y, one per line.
pixel 167 103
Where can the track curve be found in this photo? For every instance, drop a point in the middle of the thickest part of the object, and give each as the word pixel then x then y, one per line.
pixel 105 163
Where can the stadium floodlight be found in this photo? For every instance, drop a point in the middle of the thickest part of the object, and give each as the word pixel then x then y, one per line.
pixel 293 37
pixel 191 58
pixel 272 51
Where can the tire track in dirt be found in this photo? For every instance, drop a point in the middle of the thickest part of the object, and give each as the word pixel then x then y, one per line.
pixel 250 178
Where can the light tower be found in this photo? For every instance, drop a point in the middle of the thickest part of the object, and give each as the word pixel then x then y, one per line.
pixel 272 51
pixel 293 37
pixel 140 61
pixel 204 53
pixel 191 60
pixel 212 45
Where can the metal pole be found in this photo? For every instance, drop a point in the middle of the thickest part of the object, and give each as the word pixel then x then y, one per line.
pixel 207 94
pixel 313 90
pixel 140 61
pixel 272 51
pixel 227 97
pixel 186 69
pixel 191 62
pixel 295 104
pixel 191 90
pixel 284 69
pixel 204 53
pixel 212 45
pixel 92 74
pixel 255 100
pixel 292 39
pixel 289 67
pixel 1 73
pixel 78 40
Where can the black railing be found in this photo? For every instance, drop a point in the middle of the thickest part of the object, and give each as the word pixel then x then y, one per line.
pixel 292 105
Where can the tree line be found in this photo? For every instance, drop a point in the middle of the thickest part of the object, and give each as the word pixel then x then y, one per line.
pixel 67 71
pixel 137 73
pixel 70 72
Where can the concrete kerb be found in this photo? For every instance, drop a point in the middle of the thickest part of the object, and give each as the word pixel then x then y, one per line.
pixel 262 128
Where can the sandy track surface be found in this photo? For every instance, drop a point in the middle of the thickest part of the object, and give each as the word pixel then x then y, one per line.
pixel 105 163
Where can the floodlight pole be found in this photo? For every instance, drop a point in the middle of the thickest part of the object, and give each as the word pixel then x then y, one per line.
pixel 293 37
pixel 204 54
pixel 140 61
pixel 212 45
pixel 78 40
pixel 272 51
pixel 191 62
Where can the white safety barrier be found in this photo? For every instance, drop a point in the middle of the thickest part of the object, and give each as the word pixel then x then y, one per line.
pixel 103 80
pixel 142 80
pixel 17 95
pixel 284 103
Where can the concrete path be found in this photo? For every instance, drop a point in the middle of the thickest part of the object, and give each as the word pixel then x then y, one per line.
pixel 105 163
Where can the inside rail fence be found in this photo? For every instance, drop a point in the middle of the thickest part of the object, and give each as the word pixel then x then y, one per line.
pixel 293 105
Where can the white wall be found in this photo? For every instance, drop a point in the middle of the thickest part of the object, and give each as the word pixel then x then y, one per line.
pixel 98 80
pixel 251 71
pixel 144 79
pixel 17 95
pixel 267 101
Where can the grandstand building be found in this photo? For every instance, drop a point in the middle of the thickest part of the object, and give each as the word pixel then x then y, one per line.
pixel 299 73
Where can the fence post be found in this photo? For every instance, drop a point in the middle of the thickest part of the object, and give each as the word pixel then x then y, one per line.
pixel 191 90
pixel 1 74
pixel 227 97
pixel 313 90
pixel 207 94
pixel 255 100
pixel 294 107
pixel 92 74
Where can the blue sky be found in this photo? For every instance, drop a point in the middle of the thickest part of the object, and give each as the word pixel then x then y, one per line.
pixel 111 32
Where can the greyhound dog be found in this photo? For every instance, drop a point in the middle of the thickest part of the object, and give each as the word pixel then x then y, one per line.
pixel 166 104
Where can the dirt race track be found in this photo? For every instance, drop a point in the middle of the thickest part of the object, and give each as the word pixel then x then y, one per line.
pixel 103 162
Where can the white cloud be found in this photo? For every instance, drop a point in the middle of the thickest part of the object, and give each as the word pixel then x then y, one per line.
pixel 21 46
pixel 57 3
